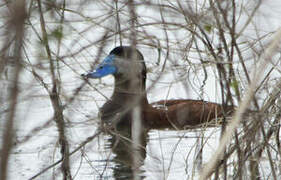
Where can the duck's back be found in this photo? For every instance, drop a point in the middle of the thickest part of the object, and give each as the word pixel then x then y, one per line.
pixel 180 114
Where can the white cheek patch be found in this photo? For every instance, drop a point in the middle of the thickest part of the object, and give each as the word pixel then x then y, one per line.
pixel 128 67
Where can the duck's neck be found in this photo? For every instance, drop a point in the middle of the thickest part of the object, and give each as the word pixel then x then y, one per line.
pixel 130 91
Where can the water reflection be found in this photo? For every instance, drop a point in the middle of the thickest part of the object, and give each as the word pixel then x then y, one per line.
pixel 120 143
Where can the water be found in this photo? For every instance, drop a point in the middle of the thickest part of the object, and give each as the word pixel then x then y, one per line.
pixel 169 154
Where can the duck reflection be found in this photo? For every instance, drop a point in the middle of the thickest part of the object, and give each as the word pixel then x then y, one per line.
pixel 121 144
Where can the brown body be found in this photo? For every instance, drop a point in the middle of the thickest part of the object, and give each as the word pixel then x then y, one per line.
pixel 181 114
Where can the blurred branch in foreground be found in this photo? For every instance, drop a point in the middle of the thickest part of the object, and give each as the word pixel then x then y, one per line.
pixel 15 37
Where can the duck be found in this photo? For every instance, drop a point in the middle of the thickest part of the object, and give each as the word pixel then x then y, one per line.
pixel 128 68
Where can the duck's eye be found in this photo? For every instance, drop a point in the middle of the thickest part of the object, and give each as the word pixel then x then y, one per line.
pixel 101 67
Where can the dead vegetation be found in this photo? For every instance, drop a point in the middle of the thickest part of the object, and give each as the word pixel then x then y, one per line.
pixel 45 45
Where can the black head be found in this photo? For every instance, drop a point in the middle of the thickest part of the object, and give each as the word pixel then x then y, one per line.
pixel 127 52
pixel 122 61
pixel 131 57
